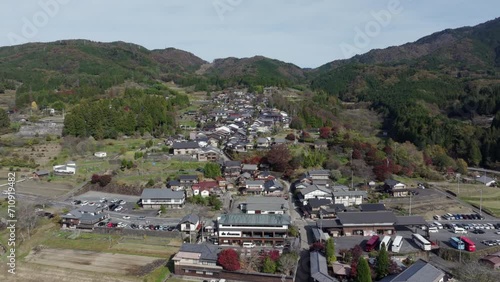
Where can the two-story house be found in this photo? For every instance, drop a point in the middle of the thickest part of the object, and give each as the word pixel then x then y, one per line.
pixel 254 187
pixel 232 168
pixel 188 180
pixel 264 205
pixel 197 260
pixel 204 188
pixel 190 223
pixel 342 195
pixel 83 217
pixel 155 198
pixel 314 192
pixel 260 229
pixel 395 188
pixel 186 148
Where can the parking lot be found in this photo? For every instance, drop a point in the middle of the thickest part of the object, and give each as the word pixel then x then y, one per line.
pixel 129 215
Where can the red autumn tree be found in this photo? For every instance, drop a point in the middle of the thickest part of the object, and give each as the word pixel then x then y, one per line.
pixel 104 180
pixel 290 136
pixel 229 259
pixel 95 178
pixel 278 157
pixel 325 132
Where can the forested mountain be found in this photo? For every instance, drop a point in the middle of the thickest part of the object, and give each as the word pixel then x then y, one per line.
pixel 443 89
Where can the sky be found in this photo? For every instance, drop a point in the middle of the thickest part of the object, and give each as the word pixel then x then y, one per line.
pixel 308 33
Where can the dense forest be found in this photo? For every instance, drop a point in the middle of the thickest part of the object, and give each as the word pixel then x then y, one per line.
pixel 138 111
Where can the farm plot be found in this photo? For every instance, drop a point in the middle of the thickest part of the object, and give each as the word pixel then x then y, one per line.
pixel 90 261
pixel 43 188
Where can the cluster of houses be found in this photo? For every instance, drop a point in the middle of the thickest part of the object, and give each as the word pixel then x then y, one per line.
pixel 319 197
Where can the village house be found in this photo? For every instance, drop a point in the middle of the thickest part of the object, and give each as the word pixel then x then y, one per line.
pixel 232 168
pixel 485 180
pixel 254 187
pixel 83 217
pixel 197 260
pixel 263 143
pixel 190 223
pixel 68 168
pixel 264 205
pixel 155 198
pixel 314 192
pixel 40 174
pixel 250 168
pixel 319 268
pixel 188 180
pixel 204 188
pixel 313 207
pixel 342 195
pixel 318 174
pixel 261 229
pixel 419 271
pixel 492 260
pixel 273 187
pixel 395 188
pixel 208 154
pixel 356 223
pixel 175 185
pixel 186 148
pixel 331 211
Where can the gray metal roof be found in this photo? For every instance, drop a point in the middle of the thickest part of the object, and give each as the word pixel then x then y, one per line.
pixel 311 188
pixel 360 218
pixel 372 207
pixel 410 220
pixel 484 179
pixel 319 268
pixel 323 172
pixel 188 177
pixel 420 271
pixel 255 182
pixel 232 163
pixel 316 203
pixel 208 252
pixel 266 204
pixel 161 194
pixel 254 219
pixel 185 145
pixel 190 218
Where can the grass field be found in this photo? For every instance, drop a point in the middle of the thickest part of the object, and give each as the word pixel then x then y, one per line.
pixel 471 193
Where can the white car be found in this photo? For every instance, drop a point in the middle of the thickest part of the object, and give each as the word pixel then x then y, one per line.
pixel 91 203
pixel 102 200
pixel 126 217
pixel 498 232
pixel 119 208
pixel 84 203
pixel 122 202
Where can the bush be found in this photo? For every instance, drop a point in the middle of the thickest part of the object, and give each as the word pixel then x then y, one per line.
pixel 105 180
pixel 95 178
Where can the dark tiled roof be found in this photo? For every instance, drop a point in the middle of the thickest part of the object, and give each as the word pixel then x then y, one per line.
pixel 188 177
pixel 185 145
pixel 161 194
pixel 367 217
pixel 319 268
pixel 255 219
pixel 316 203
pixel 372 207
pixel 208 252
pixel 420 271
pixel 190 218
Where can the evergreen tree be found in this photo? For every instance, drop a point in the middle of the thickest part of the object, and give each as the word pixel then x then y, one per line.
pixel 330 250
pixel 4 119
pixel 211 170
pixel 363 271
pixel 269 266
pixel 383 262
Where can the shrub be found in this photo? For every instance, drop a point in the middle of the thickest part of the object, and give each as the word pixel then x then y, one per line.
pixel 229 259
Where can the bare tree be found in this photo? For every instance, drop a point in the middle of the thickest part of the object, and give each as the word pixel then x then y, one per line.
pixel 287 263
pixel 474 271
pixel 27 219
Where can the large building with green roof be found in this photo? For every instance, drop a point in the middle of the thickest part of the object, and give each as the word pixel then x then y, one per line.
pixel 261 229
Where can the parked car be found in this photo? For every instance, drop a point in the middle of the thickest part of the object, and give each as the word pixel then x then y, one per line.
pixel 84 203
pixel 141 217
pixel 119 208
pixel 478 231
pixel 126 217
pixel 101 223
pixel 122 202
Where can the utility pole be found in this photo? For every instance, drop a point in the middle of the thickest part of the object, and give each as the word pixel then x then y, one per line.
pixel 352 172
pixel 481 203
pixel 458 183
pixel 410 204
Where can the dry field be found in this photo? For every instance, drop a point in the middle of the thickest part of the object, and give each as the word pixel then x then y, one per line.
pixel 30 272
pixel 427 203
pixel 41 153
pixel 43 188
pixel 90 261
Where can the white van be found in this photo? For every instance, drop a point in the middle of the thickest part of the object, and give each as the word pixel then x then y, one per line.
pixel 248 245
pixel 438 225
pixel 433 229
pixel 459 230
